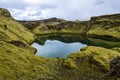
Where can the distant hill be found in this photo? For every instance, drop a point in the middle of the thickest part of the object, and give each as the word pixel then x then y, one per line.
pixel 104 27
pixel 32 24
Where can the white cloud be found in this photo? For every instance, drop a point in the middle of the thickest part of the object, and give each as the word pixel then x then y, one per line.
pixel 67 9
pixel 28 13
pixel 40 2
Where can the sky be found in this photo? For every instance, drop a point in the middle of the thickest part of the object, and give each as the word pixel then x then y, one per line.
pixel 66 9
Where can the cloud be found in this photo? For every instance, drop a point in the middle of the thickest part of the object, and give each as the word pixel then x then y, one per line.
pixel 27 13
pixel 67 9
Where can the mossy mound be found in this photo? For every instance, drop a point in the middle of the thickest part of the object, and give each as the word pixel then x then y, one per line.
pixel 12 30
pixel 108 30
pixel 21 64
pixel 17 58
pixel 110 17
pixel 16 55
pixel 92 63
pixel 95 55
pixel 114 72
pixel 5 13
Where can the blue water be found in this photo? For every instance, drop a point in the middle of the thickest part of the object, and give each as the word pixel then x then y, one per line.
pixel 55 48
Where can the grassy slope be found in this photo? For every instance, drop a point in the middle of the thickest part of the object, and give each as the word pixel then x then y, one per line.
pixel 17 61
pixel 18 64
pixel 60 27
pixel 14 31
pixel 105 28
pixel 11 32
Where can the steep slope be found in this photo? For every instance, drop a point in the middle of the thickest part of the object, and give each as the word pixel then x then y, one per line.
pixel 106 27
pixel 11 30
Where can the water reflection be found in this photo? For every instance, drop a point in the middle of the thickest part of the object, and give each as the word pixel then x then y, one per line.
pixel 55 48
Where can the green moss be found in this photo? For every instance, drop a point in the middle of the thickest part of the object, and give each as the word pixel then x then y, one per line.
pixel 116 49
pixel 5 13
pixel 97 56
pixel 100 30
pixel 110 17
pixel 83 48
pixel 14 31
pixel 91 63
pixel 20 63
pixel 69 64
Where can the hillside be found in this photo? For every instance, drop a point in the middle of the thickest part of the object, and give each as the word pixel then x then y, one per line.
pixel 18 61
pixel 32 24
pixel 105 27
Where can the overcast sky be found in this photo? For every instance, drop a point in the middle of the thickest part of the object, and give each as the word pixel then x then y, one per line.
pixel 67 9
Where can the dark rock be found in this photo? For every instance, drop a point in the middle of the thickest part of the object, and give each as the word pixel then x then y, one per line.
pixel 4 12
pixel 19 44
pixel 115 68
